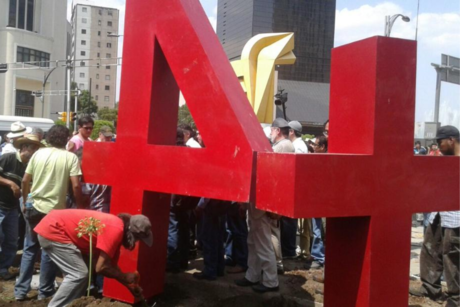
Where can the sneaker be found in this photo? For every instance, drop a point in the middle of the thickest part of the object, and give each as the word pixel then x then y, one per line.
pixel 20 298
pixel 263 289
pixel 201 276
pixel 245 283
pixel 315 265
pixel 417 290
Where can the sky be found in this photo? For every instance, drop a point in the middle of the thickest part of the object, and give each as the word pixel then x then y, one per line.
pixel 438 33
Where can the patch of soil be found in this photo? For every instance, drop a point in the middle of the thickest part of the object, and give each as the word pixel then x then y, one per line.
pixel 255 301
pixel 91 301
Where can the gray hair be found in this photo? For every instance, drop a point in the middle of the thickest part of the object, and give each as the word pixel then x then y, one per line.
pixel 37 131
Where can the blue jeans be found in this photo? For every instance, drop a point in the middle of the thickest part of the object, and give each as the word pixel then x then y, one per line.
pixel 212 238
pixel 236 250
pixel 8 238
pixel 288 228
pixel 178 238
pixel 31 248
pixel 317 248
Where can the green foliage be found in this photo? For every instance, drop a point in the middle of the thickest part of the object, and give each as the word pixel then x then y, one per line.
pixel 108 114
pixel 97 125
pixel 85 105
pixel 62 123
pixel 307 136
pixel 185 117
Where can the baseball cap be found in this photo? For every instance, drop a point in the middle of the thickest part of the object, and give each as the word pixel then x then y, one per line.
pixel 140 224
pixel 106 131
pixel 280 123
pixel 446 132
pixel 295 125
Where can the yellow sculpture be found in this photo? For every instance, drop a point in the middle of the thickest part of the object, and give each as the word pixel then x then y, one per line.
pixel 256 70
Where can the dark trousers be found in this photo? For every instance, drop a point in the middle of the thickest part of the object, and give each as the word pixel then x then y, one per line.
pixel 236 248
pixel 178 238
pixel 212 234
pixel 440 254
pixel 288 228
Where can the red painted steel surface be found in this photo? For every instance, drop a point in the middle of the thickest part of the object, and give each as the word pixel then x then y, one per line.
pixel 171 45
pixel 370 183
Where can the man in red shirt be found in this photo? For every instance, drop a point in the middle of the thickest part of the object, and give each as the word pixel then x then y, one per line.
pixel 58 233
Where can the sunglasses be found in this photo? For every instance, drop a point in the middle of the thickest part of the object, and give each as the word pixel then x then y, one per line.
pixel 87 128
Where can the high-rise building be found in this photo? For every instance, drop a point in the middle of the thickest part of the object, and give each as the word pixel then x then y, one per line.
pixel 95 31
pixel 32 32
pixel 312 22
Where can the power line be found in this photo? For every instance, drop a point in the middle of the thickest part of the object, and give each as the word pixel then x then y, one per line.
pixel 75 63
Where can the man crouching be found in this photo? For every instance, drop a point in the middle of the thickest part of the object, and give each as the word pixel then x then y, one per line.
pixel 58 236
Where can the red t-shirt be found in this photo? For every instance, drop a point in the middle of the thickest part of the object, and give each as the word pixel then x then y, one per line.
pixel 59 226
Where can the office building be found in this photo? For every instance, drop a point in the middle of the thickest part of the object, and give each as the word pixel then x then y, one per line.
pixel 95 44
pixel 35 32
pixel 312 22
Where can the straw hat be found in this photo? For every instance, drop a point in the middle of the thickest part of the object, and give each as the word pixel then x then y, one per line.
pixel 17 130
pixel 27 139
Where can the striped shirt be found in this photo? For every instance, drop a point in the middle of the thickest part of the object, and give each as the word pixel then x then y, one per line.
pixel 449 219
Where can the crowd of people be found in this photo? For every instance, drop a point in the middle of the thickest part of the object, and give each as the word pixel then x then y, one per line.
pixel 41 184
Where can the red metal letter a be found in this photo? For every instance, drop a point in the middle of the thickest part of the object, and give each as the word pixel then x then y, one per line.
pixel 170 45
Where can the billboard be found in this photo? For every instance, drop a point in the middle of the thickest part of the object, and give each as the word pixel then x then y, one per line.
pixel 451 75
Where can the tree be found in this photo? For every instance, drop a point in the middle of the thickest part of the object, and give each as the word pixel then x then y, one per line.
pixel 85 105
pixel 108 114
pixel 185 117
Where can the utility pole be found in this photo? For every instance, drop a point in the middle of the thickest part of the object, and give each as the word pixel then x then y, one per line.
pixel 76 110
pixel 68 66
pixel 438 95
pixel 42 98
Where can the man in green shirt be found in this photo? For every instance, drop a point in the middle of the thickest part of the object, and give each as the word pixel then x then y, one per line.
pixel 50 169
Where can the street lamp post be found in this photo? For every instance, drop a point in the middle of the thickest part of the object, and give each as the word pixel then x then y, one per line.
pixel 390 20
pixel 42 98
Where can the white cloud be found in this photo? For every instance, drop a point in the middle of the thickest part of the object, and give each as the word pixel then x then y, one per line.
pixel 447 115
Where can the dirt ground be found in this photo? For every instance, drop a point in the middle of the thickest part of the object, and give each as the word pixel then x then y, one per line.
pixel 297 288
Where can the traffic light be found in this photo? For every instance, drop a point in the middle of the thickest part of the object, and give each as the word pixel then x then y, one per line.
pixel 63 116
pixel 73 116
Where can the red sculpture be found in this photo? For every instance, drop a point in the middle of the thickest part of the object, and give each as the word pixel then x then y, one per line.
pixel 171 45
pixel 370 183
pixel 376 183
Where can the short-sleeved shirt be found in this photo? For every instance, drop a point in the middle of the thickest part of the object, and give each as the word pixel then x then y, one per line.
pixel 11 168
pixel 284 145
pixel 60 226
pixel 78 141
pixel 51 169
pixel 300 146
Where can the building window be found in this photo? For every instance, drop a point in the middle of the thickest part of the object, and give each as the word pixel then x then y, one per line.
pixel 107 87
pixel 83 31
pixel 97 97
pixel 84 9
pixel 99 22
pixel 83 43
pixel 108 55
pixel 99 44
pixel 84 20
pixel 24 103
pixel 82 75
pixel 83 53
pixel 82 63
pixel 109 45
pixel 106 98
pixel 33 57
pixel 97 76
pixel 107 67
pixel 81 86
pixel 109 23
pixel 98 33
pixel 109 12
pixel 100 12
pixel 98 55
pixel 97 86
pixel 107 77
pixel 21 14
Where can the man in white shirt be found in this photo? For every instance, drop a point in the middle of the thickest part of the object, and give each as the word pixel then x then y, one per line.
pixel 295 135
pixel 188 136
